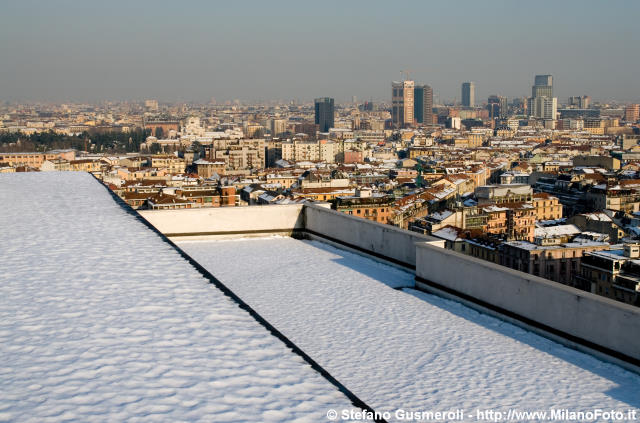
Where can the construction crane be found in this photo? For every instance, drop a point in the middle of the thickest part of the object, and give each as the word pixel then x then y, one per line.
pixel 406 74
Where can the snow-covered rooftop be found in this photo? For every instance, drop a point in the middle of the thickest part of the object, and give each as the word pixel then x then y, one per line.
pixel 100 320
pixel 556 231
pixel 401 348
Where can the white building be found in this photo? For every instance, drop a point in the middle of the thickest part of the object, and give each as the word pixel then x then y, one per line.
pixel 543 107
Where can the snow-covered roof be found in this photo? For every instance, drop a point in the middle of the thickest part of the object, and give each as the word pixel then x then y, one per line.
pixel 441 215
pixel 449 233
pixel 103 321
pixel 598 216
pixel 402 346
pixel 557 231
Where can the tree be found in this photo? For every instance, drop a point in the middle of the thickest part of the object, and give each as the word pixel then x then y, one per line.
pixel 159 132
pixel 155 148
pixel 196 146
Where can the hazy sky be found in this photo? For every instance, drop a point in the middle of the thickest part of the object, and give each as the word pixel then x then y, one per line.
pixel 270 50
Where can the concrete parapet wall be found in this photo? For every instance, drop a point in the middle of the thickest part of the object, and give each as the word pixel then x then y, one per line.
pixel 226 221
pixel 571 316
pixel 385 241
pixel 599 323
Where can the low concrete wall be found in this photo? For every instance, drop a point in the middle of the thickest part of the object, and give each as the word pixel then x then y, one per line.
pixel 226 221
pixel 571 316
pixel 599 323
pixel 384 241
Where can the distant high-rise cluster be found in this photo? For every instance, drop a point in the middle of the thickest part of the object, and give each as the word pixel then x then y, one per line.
pixel 580 102
pixel 497 106
pixel 412 104
pixel 468 94
pixel 402 98
pixel 325 113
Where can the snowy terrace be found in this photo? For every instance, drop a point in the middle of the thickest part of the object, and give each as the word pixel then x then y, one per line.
pixel 396 347
pixel 101 320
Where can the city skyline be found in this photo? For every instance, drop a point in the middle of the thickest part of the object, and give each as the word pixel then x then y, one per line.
pixel 296 211
pixel 76 52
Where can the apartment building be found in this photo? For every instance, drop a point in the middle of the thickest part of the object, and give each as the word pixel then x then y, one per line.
pixel 619 198
pixel 366 205
pixel 35 160
pixel 173 164
pixel 547 206
pixel 560 263
pixel 239 154
pixel 614 274
pixel 207 169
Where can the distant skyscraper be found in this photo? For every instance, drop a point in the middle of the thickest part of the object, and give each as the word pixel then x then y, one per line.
pixel 468 94
pixel 504 106
pixel 542 104
pixel 543 86
pixel 324 113
pixel 423 104
pixel 493 106
pixel 543 107
pixel 402 103
pixel 543 80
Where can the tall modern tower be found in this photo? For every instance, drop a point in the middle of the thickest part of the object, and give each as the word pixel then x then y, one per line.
pixel 468 94
pixel 403 103
pixel 423 104
pixel 542 104
pixel 324 113
pixel 543 86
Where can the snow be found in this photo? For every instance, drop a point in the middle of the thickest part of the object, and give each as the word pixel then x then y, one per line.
pixel 448 232
pixel 601 216
pixel 100 320
pixel 577 242
pixel 556 231
pixel 441 215
pixel 401 348
pixel 552 222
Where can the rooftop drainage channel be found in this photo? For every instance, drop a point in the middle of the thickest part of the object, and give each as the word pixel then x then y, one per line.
pixel 262 321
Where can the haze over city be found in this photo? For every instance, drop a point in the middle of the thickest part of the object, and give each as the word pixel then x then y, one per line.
pixel 68 51
pixel 298 211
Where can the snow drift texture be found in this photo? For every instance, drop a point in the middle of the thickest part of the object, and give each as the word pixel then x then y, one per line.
pixel 100 320
pixel 404 348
